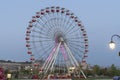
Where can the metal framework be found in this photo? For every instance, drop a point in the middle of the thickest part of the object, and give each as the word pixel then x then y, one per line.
pixel 56 40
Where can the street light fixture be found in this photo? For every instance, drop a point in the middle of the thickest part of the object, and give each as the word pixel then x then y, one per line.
pixel 112 43
pixel 9 76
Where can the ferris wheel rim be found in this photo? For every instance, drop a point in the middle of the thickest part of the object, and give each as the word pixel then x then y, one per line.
pixel 54 27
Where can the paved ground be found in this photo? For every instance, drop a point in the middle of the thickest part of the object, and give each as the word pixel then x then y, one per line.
pixel 103 79
pixel 61 79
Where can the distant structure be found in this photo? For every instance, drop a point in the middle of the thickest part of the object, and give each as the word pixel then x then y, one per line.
pixel 13 66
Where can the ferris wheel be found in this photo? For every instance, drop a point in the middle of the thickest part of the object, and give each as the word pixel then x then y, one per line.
pixel 56 41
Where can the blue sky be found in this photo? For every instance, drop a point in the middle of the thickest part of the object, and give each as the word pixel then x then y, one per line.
pixel 100 18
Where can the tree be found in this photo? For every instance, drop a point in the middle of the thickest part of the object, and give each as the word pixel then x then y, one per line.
pixel 113 70
pixel 96 70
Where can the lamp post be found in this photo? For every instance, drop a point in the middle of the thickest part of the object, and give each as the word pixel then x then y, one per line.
pixel 112 43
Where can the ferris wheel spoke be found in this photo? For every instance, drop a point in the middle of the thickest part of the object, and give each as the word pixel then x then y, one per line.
pixel 72 31
pixel 69 22
pixel 56 23
pixel 41 30
pixel 65 22
pixel 39 41
pixel 42 40
pixel 74 37
pixel 81 50
pixel 76 49
pixel 48 23
pixel 45 23
pixel 45 19
pixel 78 56
pixel 51 18
pixel 36 46
pixel 59 20
pixel 38 32
pixel 66 18
pixel 75 41
pixel 47 50
pixel 40 22
pixel 54 27
pixel 41 33
pixel 52 24
pixel 75 46
pixel 40 36
pixel 79 36
pixel 47 44
pixel 68 30
pixel 78 46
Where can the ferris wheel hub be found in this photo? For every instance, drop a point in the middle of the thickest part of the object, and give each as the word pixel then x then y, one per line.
pixel 59 37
